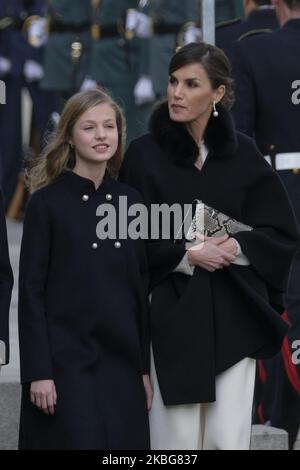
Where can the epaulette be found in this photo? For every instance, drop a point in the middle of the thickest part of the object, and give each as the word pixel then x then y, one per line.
pixel 228 22
pixel 254 32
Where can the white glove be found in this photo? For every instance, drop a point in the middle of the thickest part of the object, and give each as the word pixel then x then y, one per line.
pixel 37 32
pixel 88 84
pixel 132 18
pixel 33 71
pixel 192 34
pixel 55 117
pixel 143 91
pixel 5 65
pixel 139 23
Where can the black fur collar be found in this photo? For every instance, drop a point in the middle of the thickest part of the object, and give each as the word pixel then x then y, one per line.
pixel 173 138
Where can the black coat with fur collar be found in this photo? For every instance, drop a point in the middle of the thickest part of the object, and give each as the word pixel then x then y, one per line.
pixel 204 324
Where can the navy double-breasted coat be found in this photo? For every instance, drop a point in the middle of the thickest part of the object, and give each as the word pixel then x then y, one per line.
pixel 82 321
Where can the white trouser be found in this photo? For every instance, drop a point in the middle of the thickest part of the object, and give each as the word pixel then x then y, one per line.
pixel 222 425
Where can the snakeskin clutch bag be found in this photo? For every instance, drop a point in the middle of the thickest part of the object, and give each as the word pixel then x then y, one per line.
pixel 213 223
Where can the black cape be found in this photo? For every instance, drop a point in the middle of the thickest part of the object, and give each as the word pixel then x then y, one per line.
pixel 204 324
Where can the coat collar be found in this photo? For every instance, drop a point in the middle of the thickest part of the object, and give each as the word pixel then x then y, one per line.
pixel 294 23
pixel 84 184
pixel 260 13
pixel 174 139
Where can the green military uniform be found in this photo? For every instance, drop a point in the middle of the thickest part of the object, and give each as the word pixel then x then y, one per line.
pixel 169 20
pixel 117 58
pixel 68 49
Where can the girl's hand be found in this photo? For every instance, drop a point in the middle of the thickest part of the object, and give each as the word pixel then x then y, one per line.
pixel 148 391
pixel 43 395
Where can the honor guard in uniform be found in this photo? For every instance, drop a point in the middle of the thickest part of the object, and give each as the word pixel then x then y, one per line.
pixel 174 24
pixel 267 80
pixel 6 283
pixel 260 16
pixel 21 67
pixel 68 48
pixel 118 56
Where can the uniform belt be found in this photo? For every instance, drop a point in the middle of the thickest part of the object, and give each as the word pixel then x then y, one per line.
pixel 285 161
pixel 110 31
pixel 57 27
pixel 162 28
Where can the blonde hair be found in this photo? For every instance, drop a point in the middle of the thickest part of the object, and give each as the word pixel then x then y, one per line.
pixel 59 155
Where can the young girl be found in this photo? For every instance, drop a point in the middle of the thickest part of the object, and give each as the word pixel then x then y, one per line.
pixel 83 301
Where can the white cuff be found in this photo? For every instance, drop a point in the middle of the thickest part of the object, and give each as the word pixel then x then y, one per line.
pixel 240 259
pixel 184 267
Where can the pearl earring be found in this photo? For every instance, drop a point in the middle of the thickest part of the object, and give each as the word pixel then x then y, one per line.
pixel 215 113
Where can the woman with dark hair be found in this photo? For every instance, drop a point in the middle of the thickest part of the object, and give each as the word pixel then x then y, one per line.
pixel 83 306
pixel 215 305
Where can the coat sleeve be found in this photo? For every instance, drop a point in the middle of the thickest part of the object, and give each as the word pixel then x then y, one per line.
pixel 245 105
pixel 35 356
pixel 163 255
pixel 274 241
pixel 144 323
pixel 6 283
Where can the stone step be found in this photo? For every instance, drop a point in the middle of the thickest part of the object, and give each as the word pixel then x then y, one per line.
pixel 10 395
pixel 268 438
